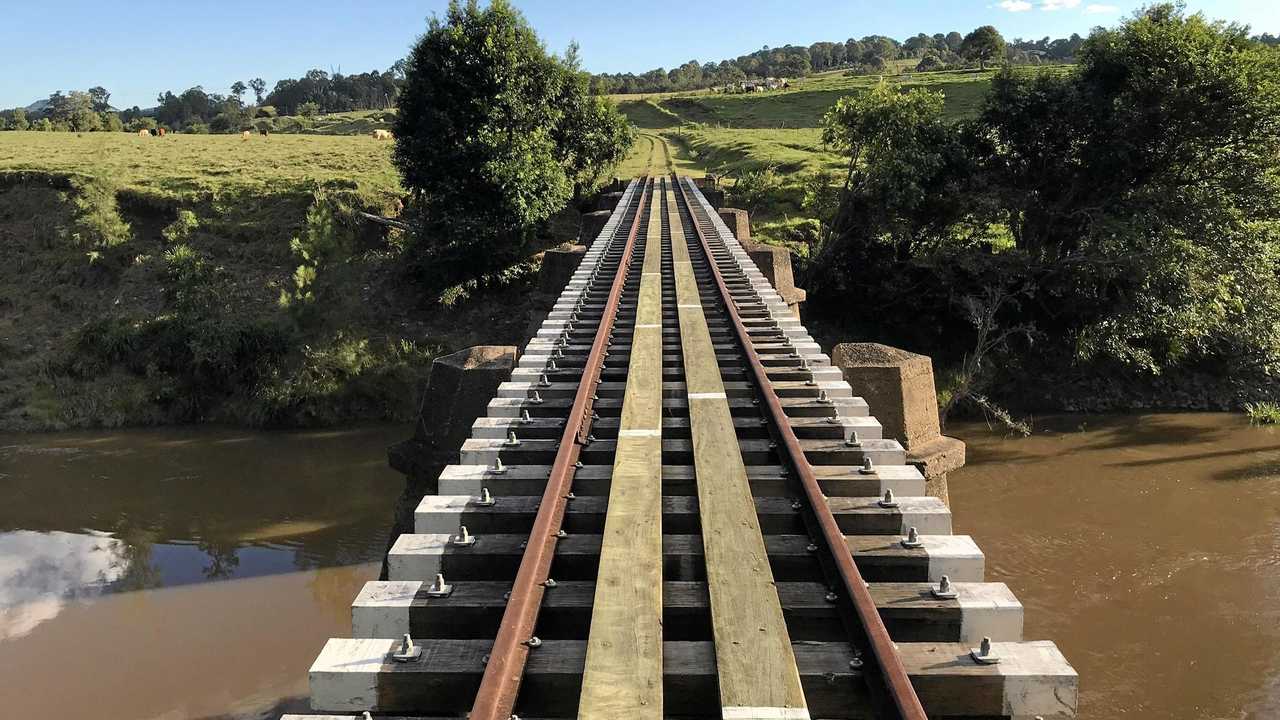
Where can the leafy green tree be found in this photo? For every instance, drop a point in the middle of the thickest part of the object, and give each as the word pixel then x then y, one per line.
pixel 984 45
pixel 492 136
pixel 592 137
pixel 309 109
pixel 44 124
pixel 141 123
pixel 101 98
pixel 18 121
pixel 237 89
pixel 259 87
pixel 111 122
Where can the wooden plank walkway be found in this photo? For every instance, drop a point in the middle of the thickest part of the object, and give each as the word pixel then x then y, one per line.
pixel 756 666
pixel 623 675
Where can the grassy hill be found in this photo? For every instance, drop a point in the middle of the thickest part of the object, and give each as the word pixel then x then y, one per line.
pixel 779 130
pixel 109 236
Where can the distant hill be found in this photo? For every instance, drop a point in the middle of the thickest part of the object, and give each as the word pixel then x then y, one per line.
pixel 37 106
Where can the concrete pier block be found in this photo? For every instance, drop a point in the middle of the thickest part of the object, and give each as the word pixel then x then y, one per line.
pixel 458 392
pixel 592 223
pixel 558 266
pixel 608 201
pixel 898 385
pixel 738 221
pixel 775 264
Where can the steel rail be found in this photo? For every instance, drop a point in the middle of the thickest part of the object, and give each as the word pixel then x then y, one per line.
pixel 886 655
pixel 500 684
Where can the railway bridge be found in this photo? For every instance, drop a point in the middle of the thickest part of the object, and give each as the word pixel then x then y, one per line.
pixel 676 508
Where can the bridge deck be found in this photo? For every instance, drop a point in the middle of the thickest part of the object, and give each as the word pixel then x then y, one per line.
pixel 702 571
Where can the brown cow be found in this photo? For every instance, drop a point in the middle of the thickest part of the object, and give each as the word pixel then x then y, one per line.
pixel 161 132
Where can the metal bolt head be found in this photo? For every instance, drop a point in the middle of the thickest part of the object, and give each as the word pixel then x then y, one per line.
pixel 511 440
pixel 464 538
pixel 498 468
pixel 832 597
pixel 408 651
pixel 912 540
pixel 945 590
pixel 534 642
pixel 887 501
pixel 439 588
pixel 486 498
pixel 984 654
pixel 811 547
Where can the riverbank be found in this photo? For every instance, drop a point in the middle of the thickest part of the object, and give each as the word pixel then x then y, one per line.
pixel 194 279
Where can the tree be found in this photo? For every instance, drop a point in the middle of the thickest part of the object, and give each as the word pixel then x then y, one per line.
pixel 983 44
pixel 478 139
pixel 75 111
pixel 111 122
pixel 237 89
pixel 101 98
pixel 309 109
pixel 259 87
pixel 18 121
pixel 592 137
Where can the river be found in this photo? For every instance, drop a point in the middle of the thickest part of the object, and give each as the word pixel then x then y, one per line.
pixel 182 574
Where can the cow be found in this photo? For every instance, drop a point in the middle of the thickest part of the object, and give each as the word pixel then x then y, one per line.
pixel 246 134
pixel 381 134
pixel 144 133
pixel 161 132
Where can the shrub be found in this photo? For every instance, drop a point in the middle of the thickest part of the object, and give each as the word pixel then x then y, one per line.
pixel 181 228
pixel 265 111
pixel 1264 412
pixel 97 222
pixel 309 109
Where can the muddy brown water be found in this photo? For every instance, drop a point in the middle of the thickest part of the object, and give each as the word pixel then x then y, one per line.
pixel 180 574
pixel 1147 547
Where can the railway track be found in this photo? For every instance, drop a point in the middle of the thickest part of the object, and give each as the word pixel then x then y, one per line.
pixel 677 508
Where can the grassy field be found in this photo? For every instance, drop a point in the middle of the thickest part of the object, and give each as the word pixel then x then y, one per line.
pixel 184 164
pixel 103 236
pixel 729 134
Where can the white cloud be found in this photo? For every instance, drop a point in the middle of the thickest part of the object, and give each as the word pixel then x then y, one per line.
pixel 1052 5
pixel 1015 5
pixel 40 572
pixel 1100 9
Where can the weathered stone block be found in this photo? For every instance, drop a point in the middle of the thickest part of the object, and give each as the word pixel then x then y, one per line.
pixel 738 221
pixel 558 265
pixel 775 263
pixel 592 223
pixel 898 386
pixel 608 201
pixel 457 393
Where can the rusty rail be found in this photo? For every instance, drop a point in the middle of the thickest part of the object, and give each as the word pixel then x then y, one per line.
pixel 500 685
pixel 886 655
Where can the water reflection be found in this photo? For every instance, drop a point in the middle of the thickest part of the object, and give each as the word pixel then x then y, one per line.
pixel 88 514
pixel 41 572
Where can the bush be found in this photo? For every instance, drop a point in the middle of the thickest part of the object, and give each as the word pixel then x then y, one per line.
pixel 141 123
pixel 196 128
pixel 97 223
pixel 309 109
pixel 265 111
pixel 1263 413
pixel 491 135
pixel 181 228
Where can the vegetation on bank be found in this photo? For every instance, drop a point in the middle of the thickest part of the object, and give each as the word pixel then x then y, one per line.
pixel 205 278
pixel 191 278
pixel 1097 237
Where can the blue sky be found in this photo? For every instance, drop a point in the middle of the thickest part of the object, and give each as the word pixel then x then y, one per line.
pixel 137 51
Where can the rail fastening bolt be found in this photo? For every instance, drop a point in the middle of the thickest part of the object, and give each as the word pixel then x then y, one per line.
pixel 983 654
pixel 868 467
pixel 464 537
pixel 486 498
pixel 945 590
pixel 887 501
pixel 912 540
pixel 512 440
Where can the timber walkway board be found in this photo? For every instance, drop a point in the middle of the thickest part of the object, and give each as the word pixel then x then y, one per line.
pixel 687 581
